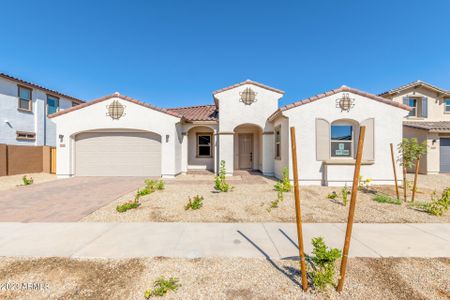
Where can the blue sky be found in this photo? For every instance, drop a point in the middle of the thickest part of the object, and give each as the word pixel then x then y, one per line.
pixel 176 53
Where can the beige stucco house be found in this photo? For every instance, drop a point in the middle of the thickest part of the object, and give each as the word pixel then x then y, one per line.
pixel 244 126
pixel 428 121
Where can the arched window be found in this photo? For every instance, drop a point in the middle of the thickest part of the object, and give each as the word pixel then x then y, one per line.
pixel 342 139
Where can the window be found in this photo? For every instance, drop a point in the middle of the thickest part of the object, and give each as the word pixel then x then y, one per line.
pixel 413 103
pixel 278 142
pixel 204 145
pixel 24 98
pixel 25 136
pixel 74 104
pixel 52 104
pixel 447 105
pixel 341 140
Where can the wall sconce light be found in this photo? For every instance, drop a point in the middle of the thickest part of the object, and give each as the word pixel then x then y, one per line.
pixel 433 142
pixel 167 138
pixel 61 138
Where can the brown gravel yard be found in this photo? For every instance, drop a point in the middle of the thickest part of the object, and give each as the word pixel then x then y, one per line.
pixel 221 278
pixel 252 197
pixel 14 181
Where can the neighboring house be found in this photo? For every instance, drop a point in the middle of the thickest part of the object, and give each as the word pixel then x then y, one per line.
pixel 24 107
pixel 119 136
pixel 428 121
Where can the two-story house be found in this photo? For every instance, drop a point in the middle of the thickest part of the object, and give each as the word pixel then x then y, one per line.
pixel 428 121
pixel 24 107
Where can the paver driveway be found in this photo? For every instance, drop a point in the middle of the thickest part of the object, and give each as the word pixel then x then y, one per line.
pixel 64 200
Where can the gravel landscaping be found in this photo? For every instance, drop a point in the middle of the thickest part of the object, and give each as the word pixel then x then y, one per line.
pixel 220 278
pixel 15 181
pixel 251 199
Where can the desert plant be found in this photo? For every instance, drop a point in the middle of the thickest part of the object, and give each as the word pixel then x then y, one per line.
pixel 26 180
pixel 382 198
pixel 332 195
pixel 161 286
pixel 344 193
pixel 284 185
pixel 153 185
pixel 410 151
pixel 195 203
pixel 437 206
pixel 127 205
pixel 143 192
pixel 363 184
pixel 324 260
pixel 274 203
pixel 219 183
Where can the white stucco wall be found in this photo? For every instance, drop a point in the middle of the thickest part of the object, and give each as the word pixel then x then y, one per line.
pixel 233 113
pixel 34 121
pixel 136 117
pixel 388 129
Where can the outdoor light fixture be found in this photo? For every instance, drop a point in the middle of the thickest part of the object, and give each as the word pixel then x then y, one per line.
pixel 248 96
pixel 115 110
pixel 167 138
pixel 61 138
pixel 345 103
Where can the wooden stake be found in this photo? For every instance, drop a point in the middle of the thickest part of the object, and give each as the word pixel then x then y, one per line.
pixel 298 213
pixel 395 172
pixel 351 212
pixel 415 179
pixel 405 183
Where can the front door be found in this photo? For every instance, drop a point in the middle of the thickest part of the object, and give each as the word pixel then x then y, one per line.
pixel 245 150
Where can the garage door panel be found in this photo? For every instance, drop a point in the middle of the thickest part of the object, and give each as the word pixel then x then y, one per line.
pixel 118 154
pixel 444 155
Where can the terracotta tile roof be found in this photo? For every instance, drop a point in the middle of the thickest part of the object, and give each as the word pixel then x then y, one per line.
pixel 438 126
pixel 36 86
pixel 248 81
pixel 417 83
pixel 197 113
pixel 115 95
pixel 336 91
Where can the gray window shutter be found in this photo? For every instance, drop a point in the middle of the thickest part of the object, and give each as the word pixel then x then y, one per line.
pixel 322 139
pixel 424 107
pixel 406 102
pixel 369 140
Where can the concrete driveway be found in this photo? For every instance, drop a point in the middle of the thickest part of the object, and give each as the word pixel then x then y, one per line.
pixel 64 200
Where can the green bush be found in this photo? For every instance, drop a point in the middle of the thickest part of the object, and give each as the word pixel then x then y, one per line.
pixel 364 184
pixel 324 260
pixel 344 193
pixel 219 183
pixel 195 203
pixel 153 185
pixel 332 195
pixel 26 180
pixel 437 206
pixel 127 205
pixel 161 286
pixel 381 198
pixel 284 185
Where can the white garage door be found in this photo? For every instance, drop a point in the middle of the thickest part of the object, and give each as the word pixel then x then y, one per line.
pixel 118 154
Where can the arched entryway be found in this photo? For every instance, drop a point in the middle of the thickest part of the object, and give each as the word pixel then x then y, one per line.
pixel 248 147
pixel 200 150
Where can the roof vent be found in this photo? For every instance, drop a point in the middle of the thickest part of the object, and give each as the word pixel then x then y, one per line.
pixel 116 94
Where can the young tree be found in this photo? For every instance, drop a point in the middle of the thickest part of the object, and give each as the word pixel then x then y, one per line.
pixel 410 151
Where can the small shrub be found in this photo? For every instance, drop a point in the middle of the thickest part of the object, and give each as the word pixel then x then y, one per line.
pixel 437 206
pixel 363 184
pixel 219 183
pixel 381 198
pixel 332 195
pixel 274 203
pixel 344 193
pixel 153 185
pixel 161 286
pixel 324 260
pixel 26 180
pixel 195 203
pixel 127 205
pixel 284 185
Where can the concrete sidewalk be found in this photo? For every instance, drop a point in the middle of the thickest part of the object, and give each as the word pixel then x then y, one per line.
pixel 191 240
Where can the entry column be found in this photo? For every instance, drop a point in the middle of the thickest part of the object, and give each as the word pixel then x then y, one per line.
pixel 226 149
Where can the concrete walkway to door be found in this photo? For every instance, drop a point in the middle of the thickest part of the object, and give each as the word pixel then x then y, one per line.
pixel 192 240
pixel 64 200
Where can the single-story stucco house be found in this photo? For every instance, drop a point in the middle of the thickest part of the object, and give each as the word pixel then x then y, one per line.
pixel 119 136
